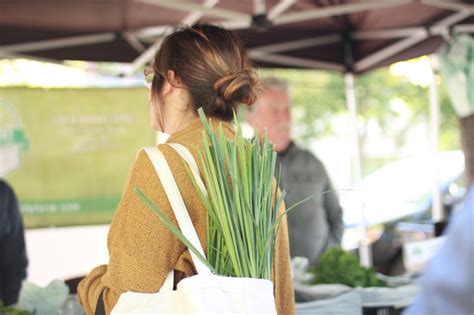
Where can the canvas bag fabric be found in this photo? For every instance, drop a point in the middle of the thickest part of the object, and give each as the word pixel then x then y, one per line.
pixel 203 293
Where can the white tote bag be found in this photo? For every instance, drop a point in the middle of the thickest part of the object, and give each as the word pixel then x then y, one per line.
pixel 203 293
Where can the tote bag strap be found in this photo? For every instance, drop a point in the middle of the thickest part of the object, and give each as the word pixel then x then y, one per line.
pixel 177 204
pixel 188 157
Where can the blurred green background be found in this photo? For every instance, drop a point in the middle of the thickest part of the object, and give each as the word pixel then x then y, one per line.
pixel 82 143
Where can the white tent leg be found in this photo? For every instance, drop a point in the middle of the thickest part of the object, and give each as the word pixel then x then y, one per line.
pixel 365 254
pixel 437 207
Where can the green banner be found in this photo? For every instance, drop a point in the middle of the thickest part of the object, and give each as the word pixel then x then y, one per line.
pixel 75 146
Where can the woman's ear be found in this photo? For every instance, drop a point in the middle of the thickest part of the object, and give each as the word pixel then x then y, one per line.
pixel 172 82
pixel 174 79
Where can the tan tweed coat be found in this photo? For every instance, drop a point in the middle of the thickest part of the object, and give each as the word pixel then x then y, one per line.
pixel 142 250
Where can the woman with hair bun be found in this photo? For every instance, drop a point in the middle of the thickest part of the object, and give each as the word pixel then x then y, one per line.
pixel 200 66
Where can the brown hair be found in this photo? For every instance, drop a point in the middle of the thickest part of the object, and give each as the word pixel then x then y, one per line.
pixel 212 64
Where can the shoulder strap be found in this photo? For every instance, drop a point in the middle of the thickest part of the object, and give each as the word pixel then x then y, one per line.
pixel 188 157
pixel 177 204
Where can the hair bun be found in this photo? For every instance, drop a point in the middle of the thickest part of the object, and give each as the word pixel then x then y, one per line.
pixel 238 87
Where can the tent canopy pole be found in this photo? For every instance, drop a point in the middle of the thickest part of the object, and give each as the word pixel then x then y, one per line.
pixel 365 254
pixel 437 213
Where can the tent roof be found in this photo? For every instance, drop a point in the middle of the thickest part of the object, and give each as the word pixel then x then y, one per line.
pixel 327 34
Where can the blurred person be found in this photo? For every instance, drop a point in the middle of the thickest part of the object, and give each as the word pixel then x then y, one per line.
pixel 448 281
pixel 13 259
pixel 200 66
pixel 317 224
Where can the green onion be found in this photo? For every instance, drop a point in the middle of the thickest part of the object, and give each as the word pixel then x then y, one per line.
pixel 241 201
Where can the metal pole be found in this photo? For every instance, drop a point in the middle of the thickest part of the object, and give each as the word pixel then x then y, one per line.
pixel 437 207
pixel 365 254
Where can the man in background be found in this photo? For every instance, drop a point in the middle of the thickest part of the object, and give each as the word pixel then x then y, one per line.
pixel 13 261
pixel 317 224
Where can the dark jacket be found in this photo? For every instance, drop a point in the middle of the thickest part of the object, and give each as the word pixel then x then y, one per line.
pixel 13 261
pixel 316 224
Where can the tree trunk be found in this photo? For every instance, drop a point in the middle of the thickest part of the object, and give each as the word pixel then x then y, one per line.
pixel 467 141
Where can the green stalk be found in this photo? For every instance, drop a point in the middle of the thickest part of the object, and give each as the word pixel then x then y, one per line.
pixel 241 202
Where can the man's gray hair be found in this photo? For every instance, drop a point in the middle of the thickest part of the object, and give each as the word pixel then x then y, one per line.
pixel 271 83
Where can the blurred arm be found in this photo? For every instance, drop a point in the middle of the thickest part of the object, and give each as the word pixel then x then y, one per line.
pixel 448 281
pixel 334 214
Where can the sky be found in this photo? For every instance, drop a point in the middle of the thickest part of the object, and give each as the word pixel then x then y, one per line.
pixel 418 71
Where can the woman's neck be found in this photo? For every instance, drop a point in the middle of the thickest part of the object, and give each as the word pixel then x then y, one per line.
pixel 179 122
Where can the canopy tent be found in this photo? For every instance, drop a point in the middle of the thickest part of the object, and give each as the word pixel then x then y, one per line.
pixel 349 36
pixel 337 35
